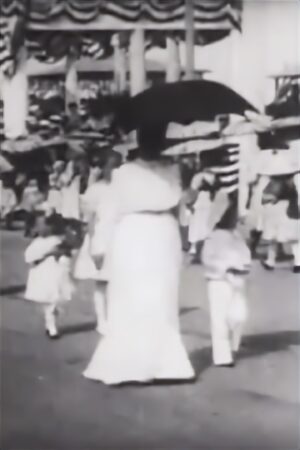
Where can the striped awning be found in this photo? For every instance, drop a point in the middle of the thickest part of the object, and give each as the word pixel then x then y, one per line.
pixel 220 12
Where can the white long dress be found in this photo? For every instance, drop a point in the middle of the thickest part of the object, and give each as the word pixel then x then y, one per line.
pixel 141 238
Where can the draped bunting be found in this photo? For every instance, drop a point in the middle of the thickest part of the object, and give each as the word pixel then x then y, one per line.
pixel 157 11
pixel 49 46
pixel 6 58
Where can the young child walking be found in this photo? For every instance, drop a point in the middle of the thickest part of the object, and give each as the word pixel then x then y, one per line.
pixel 49 283
pixel 226 259
pixel 87 265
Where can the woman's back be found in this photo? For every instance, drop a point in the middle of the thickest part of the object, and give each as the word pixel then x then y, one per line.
pixel 147 186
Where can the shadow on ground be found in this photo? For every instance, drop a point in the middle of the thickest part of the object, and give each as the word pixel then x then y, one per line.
pixel 11 290
pixel 78 327
pixel 259 344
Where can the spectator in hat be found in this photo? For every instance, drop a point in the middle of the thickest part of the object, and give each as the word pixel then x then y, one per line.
pixel 281 218
pixel 54 200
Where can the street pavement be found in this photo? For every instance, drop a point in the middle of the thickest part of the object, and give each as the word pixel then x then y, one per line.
pixel 48 405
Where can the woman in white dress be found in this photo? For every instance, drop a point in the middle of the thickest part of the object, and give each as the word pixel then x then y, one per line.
pixel 93 202
pixel 140 238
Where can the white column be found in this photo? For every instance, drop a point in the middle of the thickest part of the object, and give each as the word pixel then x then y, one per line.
pixel 120 64
pixel 71 83
pixel 15 99
pixel 189 25
pixel 137 62
pixel 173 60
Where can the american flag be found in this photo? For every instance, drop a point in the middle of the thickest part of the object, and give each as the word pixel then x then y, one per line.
pixel 6 58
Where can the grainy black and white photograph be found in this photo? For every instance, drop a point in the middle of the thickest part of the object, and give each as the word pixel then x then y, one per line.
pixel 150 224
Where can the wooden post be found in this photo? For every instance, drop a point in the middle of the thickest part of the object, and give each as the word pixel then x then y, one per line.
pixel 120 64
pixel 189 25
pixel 137 62
pixel 173 60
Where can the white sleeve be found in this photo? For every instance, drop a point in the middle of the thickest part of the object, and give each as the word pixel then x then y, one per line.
pixel 196 181
pixel 39 248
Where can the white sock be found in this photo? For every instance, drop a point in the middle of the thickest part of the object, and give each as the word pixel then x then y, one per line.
pixel 50 322
pixel 271 255
pixel 296 253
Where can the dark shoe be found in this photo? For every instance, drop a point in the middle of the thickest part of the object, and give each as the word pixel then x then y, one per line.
pixel 255 237
pixel 229 365
pixel 296 269
pixel 266 266
pixel 52 336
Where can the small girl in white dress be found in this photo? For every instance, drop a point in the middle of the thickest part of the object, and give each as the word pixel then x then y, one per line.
pixel 49 283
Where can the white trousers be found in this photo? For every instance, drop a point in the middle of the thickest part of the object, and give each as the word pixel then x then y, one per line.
pixel 228 313
pixel 272 253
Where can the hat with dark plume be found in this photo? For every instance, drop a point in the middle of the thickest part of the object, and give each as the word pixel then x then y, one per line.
pixel 151 141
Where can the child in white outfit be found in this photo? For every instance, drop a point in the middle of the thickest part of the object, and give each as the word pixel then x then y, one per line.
pixel 226 259
pixel 87 265
pixel 49 283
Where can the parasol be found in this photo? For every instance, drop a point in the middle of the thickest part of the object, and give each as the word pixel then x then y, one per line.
pixel 181 102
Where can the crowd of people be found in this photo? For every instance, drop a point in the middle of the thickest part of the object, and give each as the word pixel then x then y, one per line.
pixel 115 223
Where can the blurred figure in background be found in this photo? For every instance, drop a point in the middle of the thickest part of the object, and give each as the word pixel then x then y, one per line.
pixel 94 169
pixel 8 201
pixel 281 218
pixel 54 199
pixel 256 213
pixel 187 198
pixel 203 185
pixel 70 191
pixel 32 202
pixel 73 122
